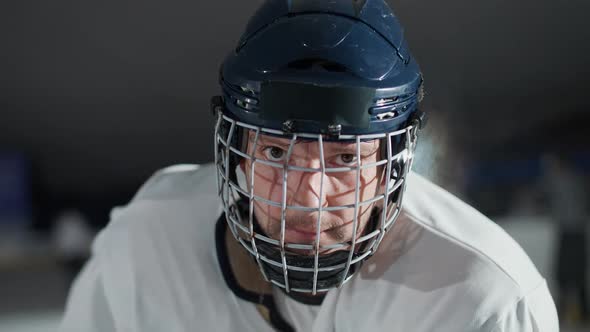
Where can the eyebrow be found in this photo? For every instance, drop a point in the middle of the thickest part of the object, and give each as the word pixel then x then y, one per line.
pixel 272 140
pixel 333 146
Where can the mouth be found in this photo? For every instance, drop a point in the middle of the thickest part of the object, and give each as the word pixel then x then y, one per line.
pixel 301 235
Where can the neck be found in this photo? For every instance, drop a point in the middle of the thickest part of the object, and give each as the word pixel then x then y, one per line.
pixel 244 268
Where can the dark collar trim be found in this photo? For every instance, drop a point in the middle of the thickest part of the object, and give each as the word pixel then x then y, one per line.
pixel 309 300
pixel 276 320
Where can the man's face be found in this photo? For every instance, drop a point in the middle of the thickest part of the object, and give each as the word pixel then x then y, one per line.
pixel 303 188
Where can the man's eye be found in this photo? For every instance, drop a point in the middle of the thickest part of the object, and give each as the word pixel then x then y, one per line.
pixel 346 159
pixel 274 153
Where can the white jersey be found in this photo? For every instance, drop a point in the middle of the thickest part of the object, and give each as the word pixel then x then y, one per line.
pixel 442 267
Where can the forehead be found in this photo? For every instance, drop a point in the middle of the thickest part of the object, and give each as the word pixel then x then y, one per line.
pixel 283 141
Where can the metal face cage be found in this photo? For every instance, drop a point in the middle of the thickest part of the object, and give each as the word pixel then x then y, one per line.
pixel 313 265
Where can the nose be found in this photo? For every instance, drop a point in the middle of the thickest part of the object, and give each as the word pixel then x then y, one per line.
pixel 307 189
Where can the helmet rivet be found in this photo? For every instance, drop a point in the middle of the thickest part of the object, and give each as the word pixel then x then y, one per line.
pixel 334 129
pixel 289 126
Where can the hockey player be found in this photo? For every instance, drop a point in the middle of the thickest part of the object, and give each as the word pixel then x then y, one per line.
pixel 309 219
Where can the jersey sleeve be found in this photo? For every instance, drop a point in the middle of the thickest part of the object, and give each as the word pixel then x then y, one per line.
pixel 534 312
pixel 87 308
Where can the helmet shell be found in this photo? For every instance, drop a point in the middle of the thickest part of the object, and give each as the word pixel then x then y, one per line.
pixel 320 64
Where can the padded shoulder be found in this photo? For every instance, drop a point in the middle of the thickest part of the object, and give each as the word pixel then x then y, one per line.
pixel 450 218
pixel 179 181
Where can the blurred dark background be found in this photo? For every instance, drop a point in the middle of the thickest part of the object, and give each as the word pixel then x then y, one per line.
pixel 96 96
pixel 99 95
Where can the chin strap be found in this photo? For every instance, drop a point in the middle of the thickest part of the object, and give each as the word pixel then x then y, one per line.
pixel 304 280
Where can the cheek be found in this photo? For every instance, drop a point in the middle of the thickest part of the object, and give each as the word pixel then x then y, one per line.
pixel 267 185
pixel 369 184
pixel 342 187
pixel 343 193
pixel 370 187
pixel 266 216
pixel 266 181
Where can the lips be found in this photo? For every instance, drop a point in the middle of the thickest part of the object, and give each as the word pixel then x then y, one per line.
pixel 297 235
pixel 305 231
pixel 313 231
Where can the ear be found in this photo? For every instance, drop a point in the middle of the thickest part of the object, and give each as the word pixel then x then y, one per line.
pixel 383 178
pixel 243 165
